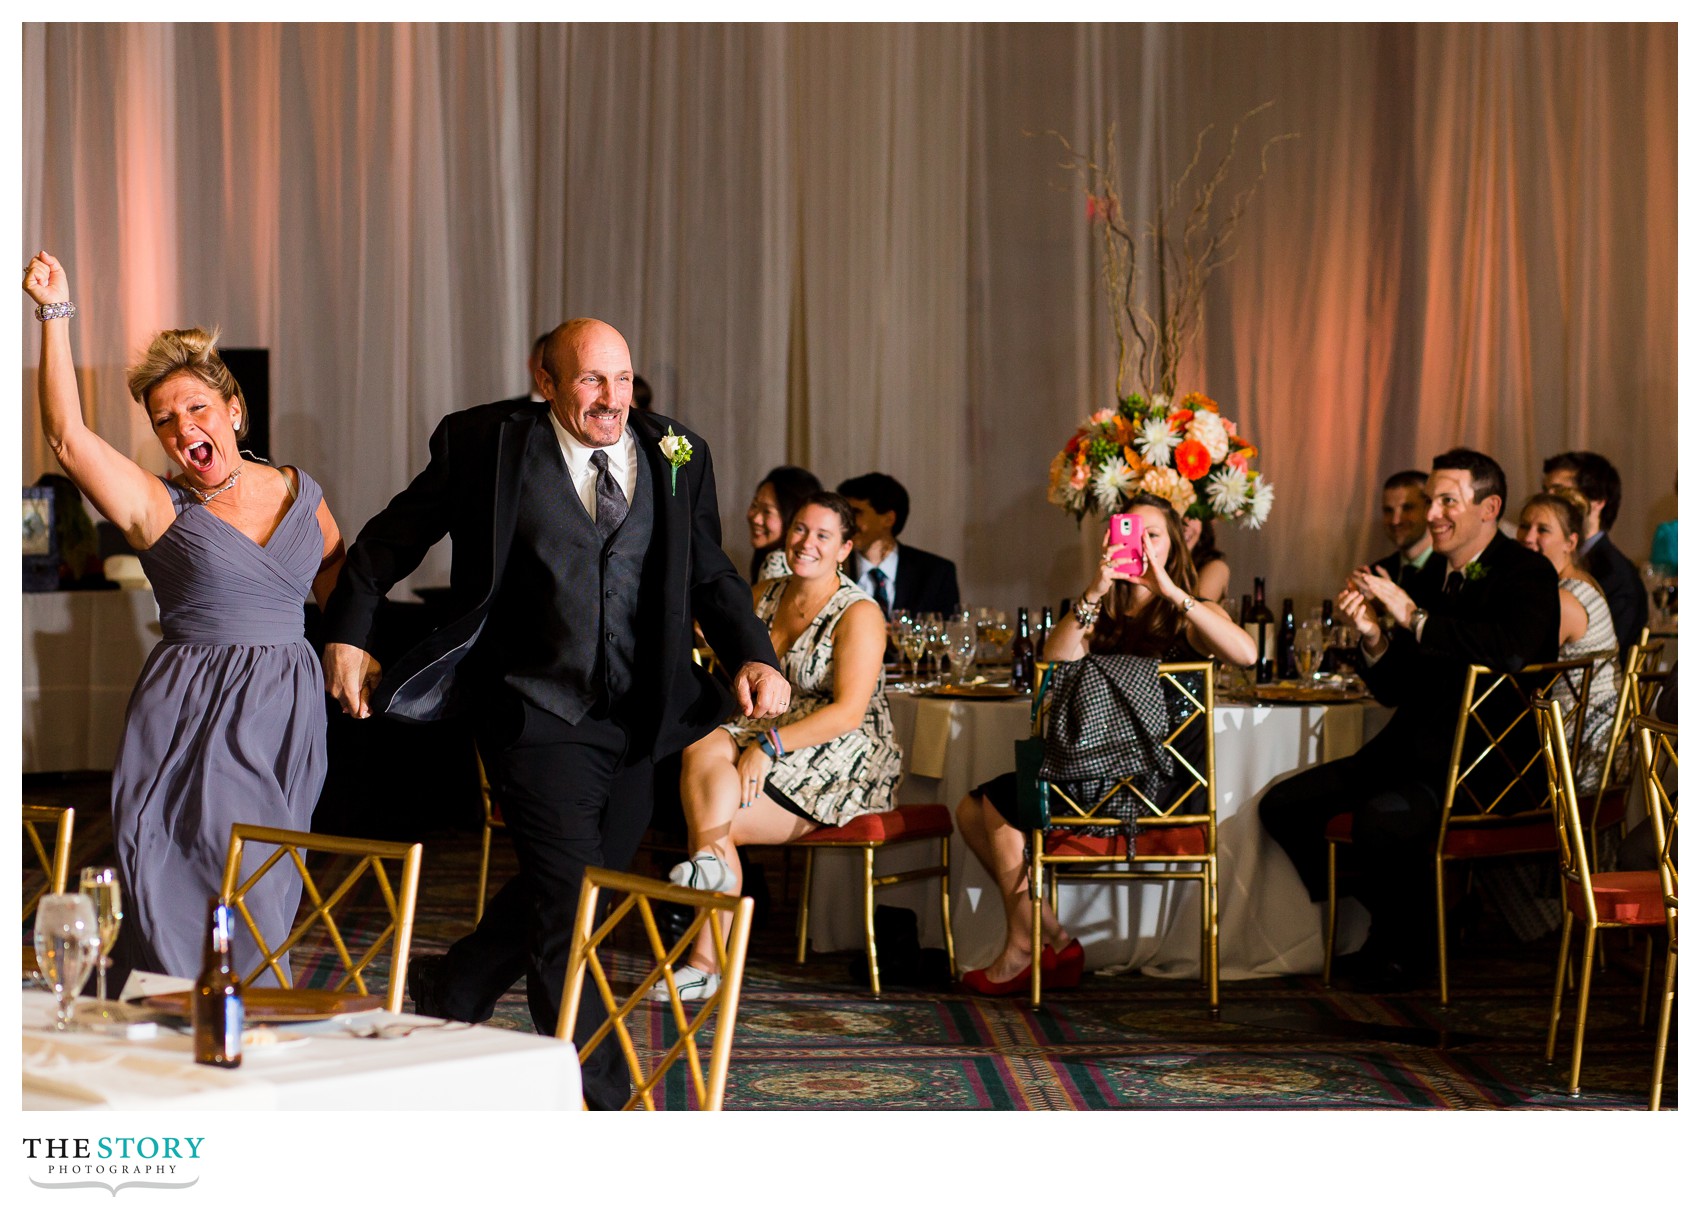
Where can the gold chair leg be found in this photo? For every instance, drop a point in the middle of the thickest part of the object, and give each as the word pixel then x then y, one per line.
pixel 868 918
pixel 1440 922
pixel 944 905
pixel 803 905
pixel 1212 935
pixel 1035 894
pixel 1665 1004
pixel 1558 982
pixel 1587 975
pixel 483 877
pixel 1333 910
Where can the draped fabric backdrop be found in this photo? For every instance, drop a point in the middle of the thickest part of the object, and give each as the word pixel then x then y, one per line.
pixel 852 247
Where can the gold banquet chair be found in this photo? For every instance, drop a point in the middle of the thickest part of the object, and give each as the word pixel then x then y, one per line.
pixel 1176 842
pixel 1600 900
pixel 1655 752
pixel 637 897
pixel 1637 687
pixel 1495 752
pixel 398 894
pixel 53 863
pixel 493 821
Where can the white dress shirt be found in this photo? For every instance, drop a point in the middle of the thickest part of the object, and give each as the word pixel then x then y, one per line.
pixel 622 462
pixel 888 566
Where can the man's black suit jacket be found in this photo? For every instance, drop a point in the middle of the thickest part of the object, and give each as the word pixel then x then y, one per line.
pixel 1505 620
pixel 925 582
pixel 470 490
pixel 1423 584
pixel 1625 595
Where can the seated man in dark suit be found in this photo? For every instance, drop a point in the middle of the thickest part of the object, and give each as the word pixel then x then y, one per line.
pixel 896 576
pixel 1596 479
pixel 1404 516
pixel 1498 608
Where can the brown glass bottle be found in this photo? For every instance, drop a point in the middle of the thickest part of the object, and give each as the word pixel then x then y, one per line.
pixel 1021 654
pixel 217 1010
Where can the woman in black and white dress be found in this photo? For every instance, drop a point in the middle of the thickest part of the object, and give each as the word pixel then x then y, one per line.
pixel 831 757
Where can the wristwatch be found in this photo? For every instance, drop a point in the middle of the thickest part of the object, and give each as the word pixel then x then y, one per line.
pixel 1418 618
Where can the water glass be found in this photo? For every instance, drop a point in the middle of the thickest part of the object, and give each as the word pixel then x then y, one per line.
pixel 1308 645
pixel 67 943
pixel 964 646
pixel 100 885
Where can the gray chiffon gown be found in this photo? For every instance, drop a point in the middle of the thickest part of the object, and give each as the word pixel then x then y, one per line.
pixel 226 724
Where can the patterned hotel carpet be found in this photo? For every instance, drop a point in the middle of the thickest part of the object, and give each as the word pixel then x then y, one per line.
pixel 812 1037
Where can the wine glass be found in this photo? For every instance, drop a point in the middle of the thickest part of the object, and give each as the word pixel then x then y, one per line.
pixel 1308 644
pixel 995 632
pixel 913 641
pixel 67 942
pixel 937 645
pixel 100 885
pixel 964 646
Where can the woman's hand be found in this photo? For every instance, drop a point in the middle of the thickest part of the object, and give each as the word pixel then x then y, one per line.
pixel 753 765
pixel 1155 577
pixel 45 280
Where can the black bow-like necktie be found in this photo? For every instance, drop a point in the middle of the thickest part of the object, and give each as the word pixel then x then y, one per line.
pixel 611 503
pixel 1454 582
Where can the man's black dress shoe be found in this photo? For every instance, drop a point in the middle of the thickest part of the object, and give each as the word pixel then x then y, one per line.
pixel 424 975
pixel 1384 975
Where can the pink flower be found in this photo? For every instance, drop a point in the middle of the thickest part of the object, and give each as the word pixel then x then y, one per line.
pixel 1077 479
pixel 1102 416
pixel 1230 427
pixel 1239 461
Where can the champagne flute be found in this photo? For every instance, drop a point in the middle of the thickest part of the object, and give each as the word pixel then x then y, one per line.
pixel 67 941
pixel 913 641
pixel 100 885
pixel 1308 644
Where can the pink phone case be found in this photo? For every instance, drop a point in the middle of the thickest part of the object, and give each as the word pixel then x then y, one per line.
pixel 1129 529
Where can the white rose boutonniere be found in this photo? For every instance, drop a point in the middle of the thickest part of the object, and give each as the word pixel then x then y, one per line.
pixel 677 449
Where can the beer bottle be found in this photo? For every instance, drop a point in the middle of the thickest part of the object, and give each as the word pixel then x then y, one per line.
pixel 1285 640
pixel 217 1007
pixel 1021 654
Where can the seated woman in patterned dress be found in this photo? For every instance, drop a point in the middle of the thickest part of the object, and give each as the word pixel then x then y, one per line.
pixel 1155 614
pixel 1551 524
pixel 831 757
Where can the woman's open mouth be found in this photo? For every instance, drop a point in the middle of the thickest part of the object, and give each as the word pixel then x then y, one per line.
pixel 200 456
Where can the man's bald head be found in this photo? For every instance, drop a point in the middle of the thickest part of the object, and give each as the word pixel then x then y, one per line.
pixel 586 377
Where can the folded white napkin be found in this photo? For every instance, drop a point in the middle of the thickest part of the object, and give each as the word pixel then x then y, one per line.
pixel 931 742
pixel 113 1075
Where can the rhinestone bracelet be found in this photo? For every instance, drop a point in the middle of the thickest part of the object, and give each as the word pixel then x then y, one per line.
pixel 53 311
pixel 1086 612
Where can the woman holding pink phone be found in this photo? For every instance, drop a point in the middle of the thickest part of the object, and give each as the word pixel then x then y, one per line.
pixel 1140 603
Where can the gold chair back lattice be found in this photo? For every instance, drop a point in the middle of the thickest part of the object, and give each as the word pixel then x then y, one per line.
pixel 1656 768
pixel 1561 791
pixel 367 858
pixel 52 860
pixel 637 896
pixel 1635 692
pixel 1496 744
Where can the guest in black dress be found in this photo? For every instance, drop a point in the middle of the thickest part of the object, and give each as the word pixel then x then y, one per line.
pixel 1151 615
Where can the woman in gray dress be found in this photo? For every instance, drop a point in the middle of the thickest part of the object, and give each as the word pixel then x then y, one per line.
pixel 831 757
pixel 227 721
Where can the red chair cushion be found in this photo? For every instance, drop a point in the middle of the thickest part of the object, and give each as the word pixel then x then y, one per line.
pixel 496 818
pixel 904 822
pixel 1154 842
pixel 1476 842
pixel 1630 898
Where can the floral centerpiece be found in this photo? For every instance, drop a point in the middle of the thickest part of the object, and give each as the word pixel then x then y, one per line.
pixel 1183 451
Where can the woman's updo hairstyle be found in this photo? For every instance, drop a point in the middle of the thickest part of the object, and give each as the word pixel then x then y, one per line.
pixel 192 351
pixel 838 505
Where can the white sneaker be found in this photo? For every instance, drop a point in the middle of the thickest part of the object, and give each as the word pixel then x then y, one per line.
pixel 705 871
pixel 694 985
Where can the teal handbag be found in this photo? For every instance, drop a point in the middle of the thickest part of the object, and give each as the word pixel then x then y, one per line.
pixel 1032 794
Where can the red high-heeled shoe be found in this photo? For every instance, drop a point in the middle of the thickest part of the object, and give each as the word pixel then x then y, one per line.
pixel 977 981
pixel 1063 970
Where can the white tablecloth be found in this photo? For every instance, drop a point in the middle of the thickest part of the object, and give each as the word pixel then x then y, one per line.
pixel 82 651
pixel 324 1069
pixel 1268 924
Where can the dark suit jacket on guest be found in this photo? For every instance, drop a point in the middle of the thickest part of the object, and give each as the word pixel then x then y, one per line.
pixel 1422 584
pixel 925 582
pixel 1505 620
pixel 470 491
pixel 1625 595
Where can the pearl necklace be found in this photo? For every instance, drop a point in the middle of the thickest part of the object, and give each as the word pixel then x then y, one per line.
pixel 206 497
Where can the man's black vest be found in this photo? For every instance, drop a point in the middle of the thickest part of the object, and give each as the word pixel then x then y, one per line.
pixel 564 623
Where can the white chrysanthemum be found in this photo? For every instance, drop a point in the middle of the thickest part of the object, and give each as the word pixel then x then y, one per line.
pixel 1227 492
pixel 1156 442
pixel 1170 485
pixel 1206 428
pixel 1261 500
pixel 1114 482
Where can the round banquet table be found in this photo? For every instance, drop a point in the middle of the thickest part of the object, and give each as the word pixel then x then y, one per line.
pixel 1268 924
